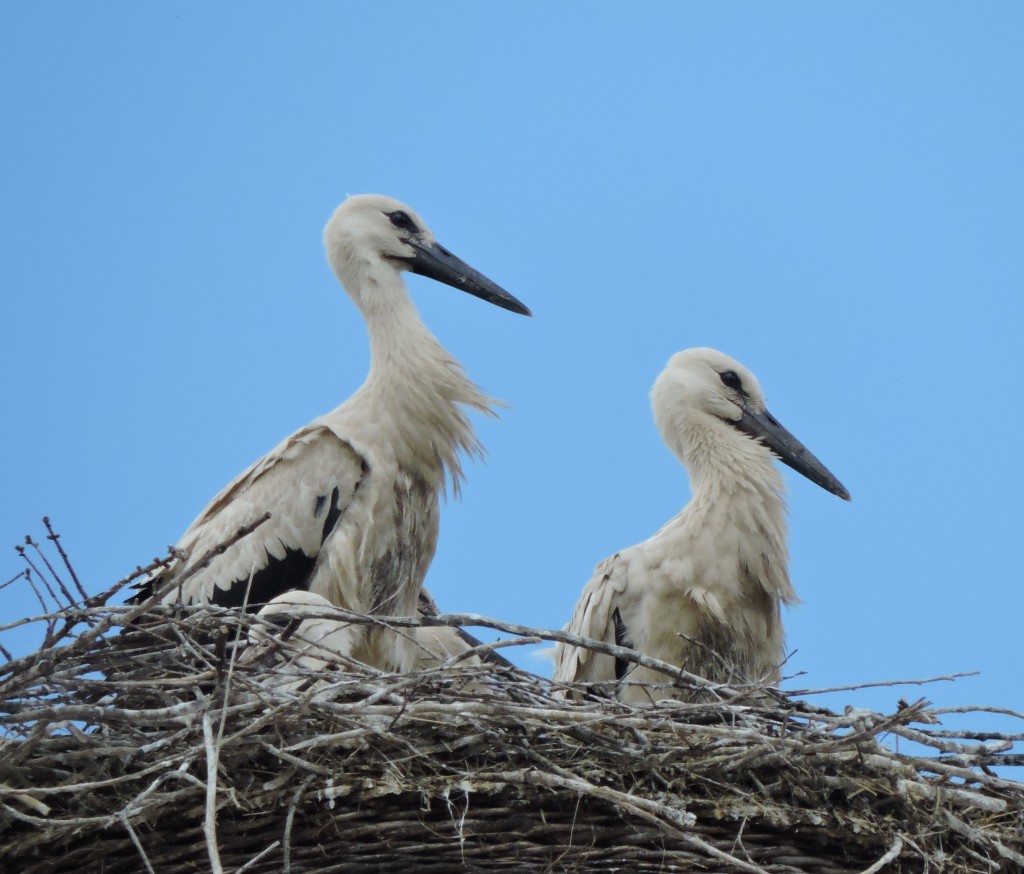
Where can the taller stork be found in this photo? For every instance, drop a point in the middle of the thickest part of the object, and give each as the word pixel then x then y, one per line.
pixel 353 497
pixel 706 591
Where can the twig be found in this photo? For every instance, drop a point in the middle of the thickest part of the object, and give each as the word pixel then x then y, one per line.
pixel 153 566
pixel 137 843
pixel 219 549
pixel 67 563
pixel 42 577
pixel 890 855
pixel 631 655
pixel 14 579
pixel 28 578
pixel 210 821
pixel 856 687
pixel 252 862
pixel 1002 711
pixel 286 864
pixel 57 578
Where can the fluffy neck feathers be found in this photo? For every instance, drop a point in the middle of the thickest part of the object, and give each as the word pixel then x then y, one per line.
pixel 415 389
pixel 737 500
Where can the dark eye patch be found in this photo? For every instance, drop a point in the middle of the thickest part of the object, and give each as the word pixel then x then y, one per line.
pixel 400 219
pixel 730 379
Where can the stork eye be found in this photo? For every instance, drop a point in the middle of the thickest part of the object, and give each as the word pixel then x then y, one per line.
pixel 731 380
pixel 400 219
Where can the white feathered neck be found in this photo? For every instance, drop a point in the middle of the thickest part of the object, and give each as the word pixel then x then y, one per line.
pixel 415 391
pixel 737 490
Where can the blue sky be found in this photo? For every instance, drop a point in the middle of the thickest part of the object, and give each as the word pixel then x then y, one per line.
pixel 831 193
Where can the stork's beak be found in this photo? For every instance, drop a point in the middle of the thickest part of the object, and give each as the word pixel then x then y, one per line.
pixel 765 427
pixel 435 261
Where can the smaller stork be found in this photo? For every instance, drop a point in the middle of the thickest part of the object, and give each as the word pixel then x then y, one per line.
pixel 706 591
pixel 312 637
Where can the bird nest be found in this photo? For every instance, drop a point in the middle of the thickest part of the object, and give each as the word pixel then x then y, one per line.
pixel 138 740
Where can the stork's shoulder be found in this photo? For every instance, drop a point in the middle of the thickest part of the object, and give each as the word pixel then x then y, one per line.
pixel 305 484
pixel 317 448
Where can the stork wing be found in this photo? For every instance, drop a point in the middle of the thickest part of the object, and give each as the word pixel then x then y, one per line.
pixel 306 483
pixel 597 616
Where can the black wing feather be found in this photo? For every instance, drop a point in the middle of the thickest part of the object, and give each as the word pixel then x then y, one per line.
pixel 280 575
pixel 621 639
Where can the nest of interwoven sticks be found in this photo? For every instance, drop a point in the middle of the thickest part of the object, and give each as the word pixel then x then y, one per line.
pixel 165 748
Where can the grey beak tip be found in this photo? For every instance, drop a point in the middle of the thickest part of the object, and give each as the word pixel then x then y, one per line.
pixel 436 262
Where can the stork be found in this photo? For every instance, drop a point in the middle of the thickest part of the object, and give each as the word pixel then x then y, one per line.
pixel 705 592
pixel 353 497
pixel 300 635
pixel 311 637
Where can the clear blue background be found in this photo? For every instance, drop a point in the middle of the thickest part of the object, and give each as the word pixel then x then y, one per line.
pixel 832 193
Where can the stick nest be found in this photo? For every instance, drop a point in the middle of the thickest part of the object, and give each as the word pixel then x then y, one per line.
pixel 140 741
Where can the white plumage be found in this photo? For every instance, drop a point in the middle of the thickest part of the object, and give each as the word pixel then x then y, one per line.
pixel 310 638
pixel 353 497
pixel 705 592
pixel 306 639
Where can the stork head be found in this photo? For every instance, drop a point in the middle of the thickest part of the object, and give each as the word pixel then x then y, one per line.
pixel 706 395
pixel 370 234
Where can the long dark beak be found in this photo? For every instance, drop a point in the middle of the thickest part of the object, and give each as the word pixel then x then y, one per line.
pixel 435 261
pixel 790 451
